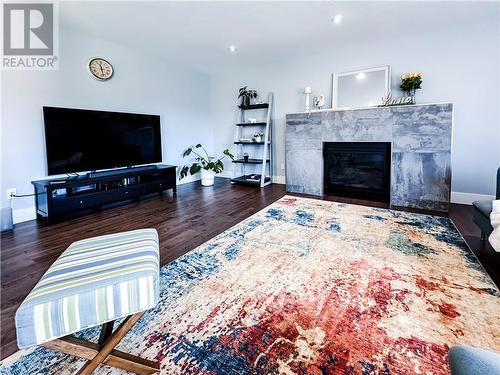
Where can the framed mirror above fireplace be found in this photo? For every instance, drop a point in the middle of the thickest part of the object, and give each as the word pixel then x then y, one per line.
pixel 360 170
pixel 361 88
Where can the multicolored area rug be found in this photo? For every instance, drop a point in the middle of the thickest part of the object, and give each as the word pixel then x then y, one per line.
pixel 312 287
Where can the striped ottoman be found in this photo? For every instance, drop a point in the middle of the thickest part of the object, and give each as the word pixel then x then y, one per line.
pixel 93 282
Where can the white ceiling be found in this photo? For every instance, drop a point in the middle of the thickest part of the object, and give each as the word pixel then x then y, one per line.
pixel 198 33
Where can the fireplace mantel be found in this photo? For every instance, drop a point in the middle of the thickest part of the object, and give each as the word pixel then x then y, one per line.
pixel 421 149
pixel 364 108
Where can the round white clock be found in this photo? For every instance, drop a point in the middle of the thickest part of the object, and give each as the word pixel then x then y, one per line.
pixel 100 69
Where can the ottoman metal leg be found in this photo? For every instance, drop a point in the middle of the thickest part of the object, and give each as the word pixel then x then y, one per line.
pixel 104 352
pixel 106 331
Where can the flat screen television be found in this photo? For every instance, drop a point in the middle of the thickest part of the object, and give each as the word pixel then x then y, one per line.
pixel 83 140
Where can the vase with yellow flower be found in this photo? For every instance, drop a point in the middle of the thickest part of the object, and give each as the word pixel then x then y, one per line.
pixel 410 83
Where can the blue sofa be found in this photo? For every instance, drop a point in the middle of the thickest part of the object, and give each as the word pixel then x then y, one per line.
pixel 466 360
pixel 482 211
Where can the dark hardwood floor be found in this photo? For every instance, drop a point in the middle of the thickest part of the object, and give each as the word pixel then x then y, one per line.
pixel 183 223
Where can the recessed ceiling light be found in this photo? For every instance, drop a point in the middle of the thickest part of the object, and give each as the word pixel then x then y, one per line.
pixel 232 49
pixel 337 19
pixel 360 76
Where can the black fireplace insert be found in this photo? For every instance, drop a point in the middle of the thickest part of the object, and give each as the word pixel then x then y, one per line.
pixel 360 170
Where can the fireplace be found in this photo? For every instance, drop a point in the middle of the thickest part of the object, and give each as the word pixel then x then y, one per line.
pixel 359 170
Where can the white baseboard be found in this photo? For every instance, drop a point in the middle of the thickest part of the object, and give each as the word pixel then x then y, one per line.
pixel 279 180
pixel 468 198
pixel 189 178
pixel 225 174
pixel 23 214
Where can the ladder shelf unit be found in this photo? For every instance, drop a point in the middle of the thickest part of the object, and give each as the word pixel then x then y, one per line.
pixel 260 153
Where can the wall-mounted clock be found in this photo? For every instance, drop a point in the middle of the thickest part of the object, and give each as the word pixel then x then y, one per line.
pixel 100 69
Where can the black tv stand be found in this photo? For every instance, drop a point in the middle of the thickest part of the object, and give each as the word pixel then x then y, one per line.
pixel 63 198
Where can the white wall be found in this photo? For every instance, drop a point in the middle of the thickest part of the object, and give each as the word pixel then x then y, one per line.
pixel 142 83
pixel 459 65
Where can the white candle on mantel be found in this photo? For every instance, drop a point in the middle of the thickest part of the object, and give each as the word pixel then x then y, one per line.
pixel 307 91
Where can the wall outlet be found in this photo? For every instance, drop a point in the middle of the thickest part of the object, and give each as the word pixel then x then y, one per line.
pixel 282 166
pixel 10 192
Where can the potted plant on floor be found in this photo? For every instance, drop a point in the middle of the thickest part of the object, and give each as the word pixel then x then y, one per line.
pixel 208 165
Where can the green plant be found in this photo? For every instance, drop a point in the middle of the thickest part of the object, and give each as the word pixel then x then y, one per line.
pixel 411 82
pixel 209 163
pixel 245 93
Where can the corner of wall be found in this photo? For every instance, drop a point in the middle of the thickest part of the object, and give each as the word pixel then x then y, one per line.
pixel 23 214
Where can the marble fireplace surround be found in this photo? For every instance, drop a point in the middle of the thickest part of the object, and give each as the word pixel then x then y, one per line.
pixel 420 137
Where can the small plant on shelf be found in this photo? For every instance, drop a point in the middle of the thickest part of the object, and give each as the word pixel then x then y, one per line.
pixel 208 165
pixel 246 95
pixel 258 136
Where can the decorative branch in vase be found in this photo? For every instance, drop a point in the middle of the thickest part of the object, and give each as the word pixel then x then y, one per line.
pixel 247 95
pixel 410 83
pixel 208 165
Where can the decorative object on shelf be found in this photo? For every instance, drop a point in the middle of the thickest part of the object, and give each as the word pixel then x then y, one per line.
pixel 246 140
pixel 245 156
pixel 246 95
pixel 319 101
pixel 258 137
pixel 252 120
pixel 410 83
pixel 100 69
pixel 253 177
pixel 388 101
pixel 208 165
pixel 307 92
pixel 361 88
